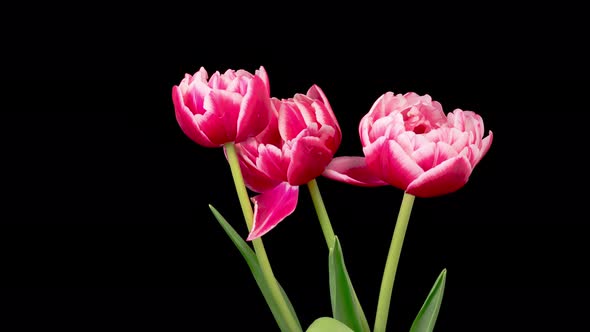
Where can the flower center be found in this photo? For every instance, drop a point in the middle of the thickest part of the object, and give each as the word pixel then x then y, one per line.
pixel 415 121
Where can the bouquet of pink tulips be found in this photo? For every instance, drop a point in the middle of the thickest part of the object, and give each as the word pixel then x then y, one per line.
pixel 274 146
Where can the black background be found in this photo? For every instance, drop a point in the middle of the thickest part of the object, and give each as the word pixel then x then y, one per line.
pixel 105 224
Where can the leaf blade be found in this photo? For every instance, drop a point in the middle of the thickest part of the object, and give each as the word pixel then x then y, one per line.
pixel 252 261
pixel 345 304
pixel 328 324
pixel 426 317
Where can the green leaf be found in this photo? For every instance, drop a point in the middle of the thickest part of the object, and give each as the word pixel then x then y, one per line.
pixel 327 324
pixel 427 315
pixel 345 304
pixel 252 261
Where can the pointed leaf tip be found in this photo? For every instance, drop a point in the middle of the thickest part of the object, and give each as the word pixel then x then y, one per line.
pixel 346 306
pixel 426 318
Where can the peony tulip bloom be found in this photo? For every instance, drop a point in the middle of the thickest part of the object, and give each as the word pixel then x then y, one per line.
pixel 409 143
pixel 225 108
pixel 299 142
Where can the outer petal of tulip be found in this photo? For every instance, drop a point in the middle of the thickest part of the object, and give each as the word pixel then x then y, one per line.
pixel 220 106
pixel 309 158
pixel 255 109
pixel 391 163
pixel 291 121
pixel 271 207
pixel 445 178
pixel 255 177
pixel 187 121
pixel 352 170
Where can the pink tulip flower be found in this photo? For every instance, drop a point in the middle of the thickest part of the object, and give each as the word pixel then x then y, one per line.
pixel 409 143
pixel 297 145
pixel 225 108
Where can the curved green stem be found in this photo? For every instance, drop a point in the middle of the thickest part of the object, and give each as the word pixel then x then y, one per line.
pixel 392 261
pixel 320 209
pixel 261 255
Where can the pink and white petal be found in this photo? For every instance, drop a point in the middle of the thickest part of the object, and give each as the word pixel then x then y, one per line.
pixel 271 207
pixel 187 122
pixel 445 178
pixel 304 104
pixel 238 85
pixel 383 105
pixel 424 156
pixel 291 122
pixel 255 110
pixel 352 170
pixel 248 150
pixel 228 77
pixel 226 106
pixel 406 141
pixel 261 72
pixel 308 160
pixel 392 164
pixel 458 139
pixel 364 129
pixel 380 127
pixel 471 152
pixel 270 161
pixel 214 81
pixel 201 75
pixel 443 152
pixel 324 115
pixel 456 119
pixel 254 177
pixel 194 96
pixel 474 124
pixel 213 127
pixel 315 92
pixel 435 114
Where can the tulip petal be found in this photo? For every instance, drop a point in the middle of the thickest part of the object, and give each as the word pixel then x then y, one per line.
pixel 187 121
pixel 194 94
pixel 261 72
pixel 272 207
pixel 291 121
pixel 352 170
pixel 388 160
pixel 424 156
pixel 271 162
pixel 315 92
pixel 308 160
pixel 254 177
pixel 226 106
pixel 445 178
pixel 255 111
pixel 212 126
pixel 326 114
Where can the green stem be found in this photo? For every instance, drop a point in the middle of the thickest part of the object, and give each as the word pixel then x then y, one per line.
pixel 320 209
pixel 392 261
pixel 236 173
pixel 261 255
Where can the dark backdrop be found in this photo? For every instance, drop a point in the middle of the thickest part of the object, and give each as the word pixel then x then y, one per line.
pixel 105 223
